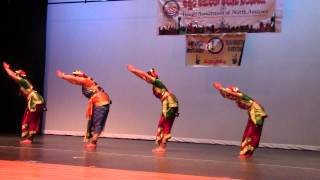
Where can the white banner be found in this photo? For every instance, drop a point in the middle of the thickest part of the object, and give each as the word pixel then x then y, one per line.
pixel 217 16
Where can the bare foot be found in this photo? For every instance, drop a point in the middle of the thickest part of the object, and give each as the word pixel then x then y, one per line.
pixel 159 150
pixel 243 156
pixel 91 146
pixel 26 141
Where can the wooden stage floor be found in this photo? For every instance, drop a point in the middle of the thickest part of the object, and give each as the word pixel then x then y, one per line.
pixel 63 157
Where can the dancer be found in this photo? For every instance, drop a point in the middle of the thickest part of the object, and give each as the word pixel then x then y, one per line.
pixel 169 106
pixel 252 133
pixel 98 104
pixel 35 104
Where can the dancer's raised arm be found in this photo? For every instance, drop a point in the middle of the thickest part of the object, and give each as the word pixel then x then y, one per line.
pixel 10 72
pixel 141 74
pixel 71 78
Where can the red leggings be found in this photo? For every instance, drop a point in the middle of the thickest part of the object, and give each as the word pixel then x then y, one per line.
pixel 30 122
pixel 251 136
pixel 164 129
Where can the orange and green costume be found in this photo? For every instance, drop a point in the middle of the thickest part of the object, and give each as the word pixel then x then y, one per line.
pixel 97 109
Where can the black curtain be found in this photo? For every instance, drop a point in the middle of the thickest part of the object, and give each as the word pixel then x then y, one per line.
pixel 22 45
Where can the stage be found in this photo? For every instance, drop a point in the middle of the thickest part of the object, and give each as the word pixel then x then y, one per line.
pixel 64 157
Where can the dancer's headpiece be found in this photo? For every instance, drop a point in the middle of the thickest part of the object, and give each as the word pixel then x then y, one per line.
pixel 79 73
pixel 21 73
pixel 152 72
pixel 233 89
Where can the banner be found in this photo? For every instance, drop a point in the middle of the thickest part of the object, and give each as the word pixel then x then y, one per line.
pixel 215 50
pixel 217 16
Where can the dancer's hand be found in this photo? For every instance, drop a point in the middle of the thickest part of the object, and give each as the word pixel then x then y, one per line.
pixel 6 65
pixel 59 73
pixel 130 67
pixel 217 85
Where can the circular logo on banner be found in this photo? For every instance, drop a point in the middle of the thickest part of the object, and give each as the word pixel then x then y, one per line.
pixel 215 45
pixel 171 8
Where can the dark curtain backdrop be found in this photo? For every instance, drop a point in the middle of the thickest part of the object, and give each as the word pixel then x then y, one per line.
pixel 22 45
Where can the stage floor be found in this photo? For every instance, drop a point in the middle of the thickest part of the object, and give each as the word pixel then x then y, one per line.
pixel 66 157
